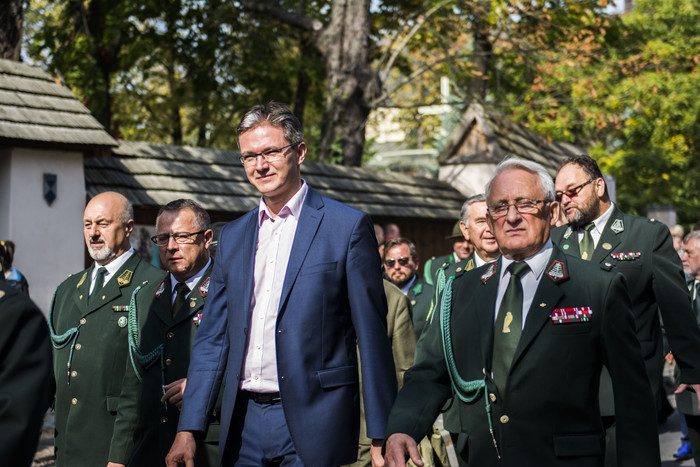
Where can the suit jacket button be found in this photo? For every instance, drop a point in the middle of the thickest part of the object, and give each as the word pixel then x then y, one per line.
pixel 164 419
pixel 74 401
pixel 83 321
pixel 73 373
pixel 492 396
pixel 170 335
pixel 168 362
pixel 77 346
pixel 505 419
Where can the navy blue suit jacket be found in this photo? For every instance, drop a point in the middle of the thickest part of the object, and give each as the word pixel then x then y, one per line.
pixel 332 299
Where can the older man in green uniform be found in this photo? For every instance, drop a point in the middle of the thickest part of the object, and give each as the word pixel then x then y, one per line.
pixel 25 375
pixel 168 316
pixel 461 247
pixel 88 322
pixel 642 250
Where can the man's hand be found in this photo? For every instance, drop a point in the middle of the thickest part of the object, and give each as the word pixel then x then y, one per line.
pixel 113 464
pixel 398 446
pixel 173 392
pixel 694 387
pixel 375 452
pixel 182 451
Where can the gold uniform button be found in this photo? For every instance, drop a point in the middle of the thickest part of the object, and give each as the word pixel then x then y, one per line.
pixel 168 362
pixel 492 396
pixel 164 419
pixel 505 419
pixel 77 346
pixel 73 373
pixel 170 335
pixel 83 321
pixel 74 401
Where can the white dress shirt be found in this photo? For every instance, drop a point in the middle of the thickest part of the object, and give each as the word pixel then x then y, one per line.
pixel 112 267
pixel 598 226
pixel 191 283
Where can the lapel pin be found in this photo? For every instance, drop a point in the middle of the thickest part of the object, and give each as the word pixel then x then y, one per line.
pixel 82 279
pixel 506 323
pixel 565 247
pixel 607 246
pixel 81 297
pixel 584 255
pixel 543 304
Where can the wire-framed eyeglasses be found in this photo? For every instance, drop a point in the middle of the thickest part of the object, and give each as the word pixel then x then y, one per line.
pixel 523 206
pixel 574 191
pixel 271 155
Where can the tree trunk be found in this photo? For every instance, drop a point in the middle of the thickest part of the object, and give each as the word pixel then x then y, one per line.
pixel 481 57
pixel 11 30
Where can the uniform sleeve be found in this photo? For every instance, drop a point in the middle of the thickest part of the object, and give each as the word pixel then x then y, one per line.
pixel 674 302
pixel 25 378
pixel 368 310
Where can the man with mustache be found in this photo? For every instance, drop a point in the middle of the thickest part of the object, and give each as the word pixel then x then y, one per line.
pixel 88 322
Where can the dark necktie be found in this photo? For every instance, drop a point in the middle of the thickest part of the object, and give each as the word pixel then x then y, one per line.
pixel 182 290
pixel 509 325
pixel 586 245
pixel 99 283
pixel 695 292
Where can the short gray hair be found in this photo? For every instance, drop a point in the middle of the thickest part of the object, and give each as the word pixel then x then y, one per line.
pixel 277 115
pixel 466 207
pixel 546 181
pixel 691 235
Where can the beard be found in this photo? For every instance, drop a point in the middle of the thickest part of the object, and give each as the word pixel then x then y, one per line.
pixel 101 254
pixel 583 214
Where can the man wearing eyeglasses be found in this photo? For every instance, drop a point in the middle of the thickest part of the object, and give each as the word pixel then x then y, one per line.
pixel 522 341
pixel 296 286
pixel 642 250
pixel 89 323
pixel 168 314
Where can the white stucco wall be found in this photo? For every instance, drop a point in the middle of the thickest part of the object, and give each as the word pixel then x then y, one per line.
pixel 49 239
pixel 468 179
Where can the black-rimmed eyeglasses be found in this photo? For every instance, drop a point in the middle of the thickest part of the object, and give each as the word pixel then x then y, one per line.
pixel 523 206
pixel 179 237
pixel 403 261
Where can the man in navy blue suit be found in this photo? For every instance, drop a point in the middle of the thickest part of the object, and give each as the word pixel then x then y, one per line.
pixel 296 286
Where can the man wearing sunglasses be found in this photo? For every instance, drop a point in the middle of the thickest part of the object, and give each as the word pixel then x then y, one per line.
pixel 168 314
pixel 296 286
pixel 642 250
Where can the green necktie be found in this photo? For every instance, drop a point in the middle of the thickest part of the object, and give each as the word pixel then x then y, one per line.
pixel 509 325
pixel 182 291
pixel 586 245
pixel 99 283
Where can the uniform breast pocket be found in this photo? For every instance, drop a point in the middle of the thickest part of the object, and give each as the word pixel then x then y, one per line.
pixel 571 328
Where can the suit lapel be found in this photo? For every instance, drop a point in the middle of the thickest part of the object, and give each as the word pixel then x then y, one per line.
pixel 163 301
pixel 195 301
pixel 250 237
pixel 569 242
pixel 611 236
pixel 112 289
pixel 80 298
pixel 309 222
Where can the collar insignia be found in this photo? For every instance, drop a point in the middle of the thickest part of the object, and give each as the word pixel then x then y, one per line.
pixel 617 226
pixel 161 289
pixel 2 293
pixel 82 279
pixel 568 233
pixel 204 288
pixel 556 271
pixel 125 278
pixel 470 265
pixel 489 272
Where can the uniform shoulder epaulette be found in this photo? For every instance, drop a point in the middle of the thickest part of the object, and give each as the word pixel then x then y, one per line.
pixel 607 266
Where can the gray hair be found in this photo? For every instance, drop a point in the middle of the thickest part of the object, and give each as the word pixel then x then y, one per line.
pixel 466 207
pixel 277 115
pixel 691 235
pixel 127 211
pixel 201 216
pixel 546 181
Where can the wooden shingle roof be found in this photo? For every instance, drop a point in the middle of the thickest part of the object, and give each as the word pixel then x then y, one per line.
pixel 34 108
pixel 150 175
pixel 486 135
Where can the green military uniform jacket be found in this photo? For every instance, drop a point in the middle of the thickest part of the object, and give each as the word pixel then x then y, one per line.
pixel 548 414
pixel 420 295
pixel 90 355
pixel 433 264
pixel 25 375
pixel 157 424
pixel 687 402
pixel 642 250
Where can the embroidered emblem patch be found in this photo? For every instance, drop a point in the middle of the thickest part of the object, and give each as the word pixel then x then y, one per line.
pixel 120 308
pixel 125 278
pixel 568 233
pixel 626 256
pixel 122 322
pixel 489 272
pixel 161 289
pixel 82 279
pixel 581 314
pixel 204 288
pixel 617 226
pixel 197 319
pixel 556 271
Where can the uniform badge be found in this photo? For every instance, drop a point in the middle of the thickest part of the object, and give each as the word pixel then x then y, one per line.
pixel 489 272
pixel 607 246
pixel 566 246
pixel 204 288
pixel 626 256
pixel 556 271
pixel 82 279
pixel 470 265
pixel 122 321
pixel 125 278
pixel 197 319
pixel 581 314
pixel 506 323
pixel 568 233
pixel 161 289
pixel 193 303
pixel 617 226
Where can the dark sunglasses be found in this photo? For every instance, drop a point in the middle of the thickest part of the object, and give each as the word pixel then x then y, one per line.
pixel 403 261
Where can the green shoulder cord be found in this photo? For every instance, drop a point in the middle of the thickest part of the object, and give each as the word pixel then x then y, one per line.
pixel 439 286
pixel 467 391
pixel 68 337
pixel 146 361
